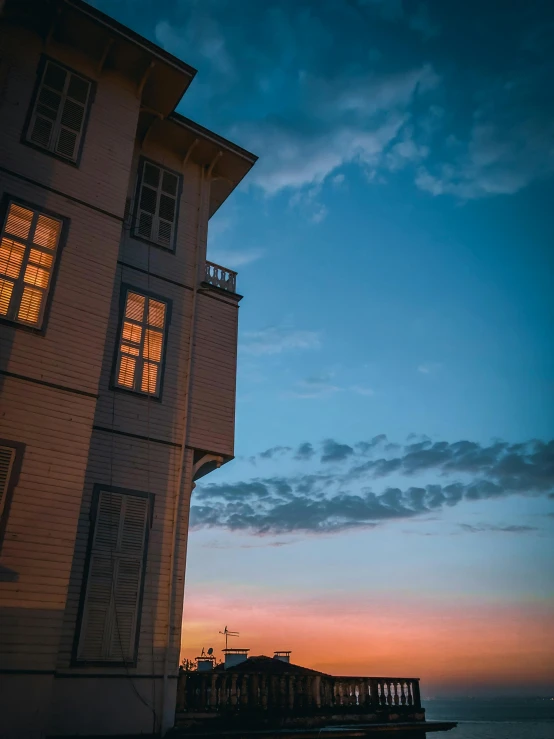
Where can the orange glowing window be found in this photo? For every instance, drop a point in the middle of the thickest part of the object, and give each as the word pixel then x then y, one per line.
pixel 28 245
pixel 141 344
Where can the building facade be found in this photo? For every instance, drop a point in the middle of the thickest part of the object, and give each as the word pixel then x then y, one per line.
pixel 117 366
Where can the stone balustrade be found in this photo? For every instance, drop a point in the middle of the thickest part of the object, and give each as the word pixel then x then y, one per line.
pixel 221 277
pixel 223 691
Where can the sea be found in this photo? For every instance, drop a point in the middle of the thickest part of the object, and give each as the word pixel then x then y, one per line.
pixel 506 718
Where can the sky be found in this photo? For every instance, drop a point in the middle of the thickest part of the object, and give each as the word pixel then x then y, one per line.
pixel 390 509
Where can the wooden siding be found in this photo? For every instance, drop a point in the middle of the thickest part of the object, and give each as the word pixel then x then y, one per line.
pixel 177 266
pixel 212 411
pixel 40 532
pixel 138 414
pixel 103 173
pixel 70 351
pixel 149 467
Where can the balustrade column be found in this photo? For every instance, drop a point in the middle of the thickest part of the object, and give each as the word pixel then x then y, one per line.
pixel 364 692
pixel 282 692
pixel 244 690
pixel 291 682
pixel 253 698
pixel 213 691
pixel 263 691
pixel 417 698
pixel 234 689
pixel 373 692
pixel 317 690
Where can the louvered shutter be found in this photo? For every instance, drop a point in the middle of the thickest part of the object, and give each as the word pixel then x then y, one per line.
pixel 59 114
pixel 7 459
pixel 114 579
pixel 157 205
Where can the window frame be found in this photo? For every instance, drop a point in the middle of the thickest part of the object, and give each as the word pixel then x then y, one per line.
pixel 124 288
pixel 93 513
pixel 7 199
pixel 44 59
pixel 135 209
pixel 13 481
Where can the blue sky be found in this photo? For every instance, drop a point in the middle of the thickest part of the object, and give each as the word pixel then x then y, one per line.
pixel 394 247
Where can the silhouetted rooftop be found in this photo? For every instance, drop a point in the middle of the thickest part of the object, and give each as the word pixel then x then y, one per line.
pixel 271 665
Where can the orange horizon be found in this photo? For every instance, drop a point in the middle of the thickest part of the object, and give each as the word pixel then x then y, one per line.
pixel 450 646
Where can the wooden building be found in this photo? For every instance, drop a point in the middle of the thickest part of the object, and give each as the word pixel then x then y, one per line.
pixel 117 366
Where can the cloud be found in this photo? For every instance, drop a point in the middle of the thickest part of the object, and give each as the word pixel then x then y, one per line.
pixel 277 339
pixel 274 451
pixel 304 451
pixel 315 386
pixel 327 502
pixel 428 368
pixel 334 452
pixel 236 257
pixel 361 390
pixel 395 11
pixel 512 529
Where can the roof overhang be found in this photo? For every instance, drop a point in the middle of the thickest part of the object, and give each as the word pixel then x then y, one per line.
pixel 161 79
pixel 230 163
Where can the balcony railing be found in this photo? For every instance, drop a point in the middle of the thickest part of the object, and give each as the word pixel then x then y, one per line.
pixel 221 277
pixel 227 691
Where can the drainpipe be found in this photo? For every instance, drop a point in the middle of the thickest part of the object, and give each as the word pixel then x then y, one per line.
pixel 168 704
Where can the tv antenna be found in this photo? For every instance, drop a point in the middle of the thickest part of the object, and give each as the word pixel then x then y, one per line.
pixel 227 634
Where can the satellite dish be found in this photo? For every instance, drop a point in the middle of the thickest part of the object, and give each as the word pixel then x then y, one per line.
pixel 210 651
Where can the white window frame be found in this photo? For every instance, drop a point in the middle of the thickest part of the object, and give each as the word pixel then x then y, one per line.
pixel 142 214
pixel 59 126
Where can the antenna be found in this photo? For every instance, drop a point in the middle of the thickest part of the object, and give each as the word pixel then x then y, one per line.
pixel 227 634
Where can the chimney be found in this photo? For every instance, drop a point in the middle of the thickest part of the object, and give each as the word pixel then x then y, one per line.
pixel 204 664
pixel 235 657
pixel 283 656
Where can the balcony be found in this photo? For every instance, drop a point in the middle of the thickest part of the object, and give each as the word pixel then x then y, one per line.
pixel 269 695
pixel 221 277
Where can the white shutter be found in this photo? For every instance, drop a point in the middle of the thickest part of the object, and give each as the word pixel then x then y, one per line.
pixel 157 206
pixel 59 114
pixel 7 459
pixel 114 579
pixel 72 118
pixel 167 208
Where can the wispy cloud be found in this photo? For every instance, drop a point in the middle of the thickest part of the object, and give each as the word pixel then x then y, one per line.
pixel 278 339
pixel 487 527
pixel 429 368
pixel 362 390
pixel 235 258
pixel 315 386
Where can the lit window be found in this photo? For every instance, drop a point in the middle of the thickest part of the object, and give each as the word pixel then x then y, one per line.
pixel 59 111
pixel 28 246
pixel 140 351
pixel 157 204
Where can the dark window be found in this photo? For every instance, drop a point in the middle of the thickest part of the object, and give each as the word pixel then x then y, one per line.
pixel 59 111
pixel 115 577
pixel 141 344
pixel 28 246
pixel 157 204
